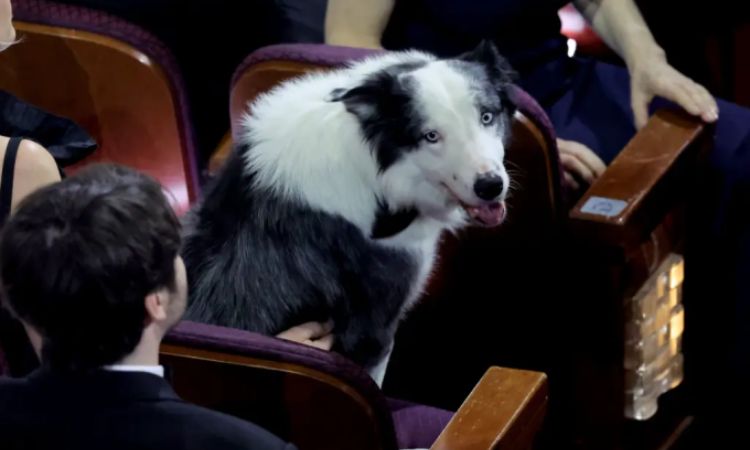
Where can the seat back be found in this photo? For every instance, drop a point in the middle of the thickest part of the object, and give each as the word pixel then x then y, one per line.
pixel 316 399
pixel 114 79
pixel 320 400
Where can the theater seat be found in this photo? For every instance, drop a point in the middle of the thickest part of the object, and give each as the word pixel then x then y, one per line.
pixel 320 400
pixel 584 289
pixel 114 79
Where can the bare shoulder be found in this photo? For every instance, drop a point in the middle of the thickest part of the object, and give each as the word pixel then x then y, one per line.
pixel 35 168
pixel 32 156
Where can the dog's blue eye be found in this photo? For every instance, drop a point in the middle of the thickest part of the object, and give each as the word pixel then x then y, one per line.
pixel 431 136
pixel 487 118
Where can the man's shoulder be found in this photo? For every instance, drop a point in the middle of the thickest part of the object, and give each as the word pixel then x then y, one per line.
pixel 222 430
pixel 191 423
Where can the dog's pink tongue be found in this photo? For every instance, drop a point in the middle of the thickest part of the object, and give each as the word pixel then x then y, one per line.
pixel 490 215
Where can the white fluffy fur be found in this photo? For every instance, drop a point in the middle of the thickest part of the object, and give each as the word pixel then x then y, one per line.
pixel 311 149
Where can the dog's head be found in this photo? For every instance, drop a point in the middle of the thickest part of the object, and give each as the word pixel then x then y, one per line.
pixel 438 130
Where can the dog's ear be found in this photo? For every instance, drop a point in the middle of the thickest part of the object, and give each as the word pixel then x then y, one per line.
pixel 361 101
pixel 498 67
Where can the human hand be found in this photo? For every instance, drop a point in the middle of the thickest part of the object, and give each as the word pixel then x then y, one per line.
pixel 651 75
pixel 314 334
pixel 579 163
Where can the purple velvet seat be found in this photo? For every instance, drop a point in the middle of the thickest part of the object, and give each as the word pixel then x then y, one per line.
pixel 245 343
pixel 399 424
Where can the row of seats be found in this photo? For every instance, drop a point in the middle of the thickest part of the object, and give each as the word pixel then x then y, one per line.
pixel 123 86
pixel 496 288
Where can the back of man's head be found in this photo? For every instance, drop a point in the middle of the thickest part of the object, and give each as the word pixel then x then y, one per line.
pixel 79 257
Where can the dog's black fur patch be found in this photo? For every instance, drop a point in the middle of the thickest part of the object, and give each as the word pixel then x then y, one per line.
pixel 389 223
pixel 261 263
pixel 390 122
pixel 384 102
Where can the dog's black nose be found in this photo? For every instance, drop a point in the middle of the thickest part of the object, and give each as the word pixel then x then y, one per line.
pixel 488 186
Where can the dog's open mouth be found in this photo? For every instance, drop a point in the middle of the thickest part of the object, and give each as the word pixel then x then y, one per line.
pixel 490 214
pixel 486 215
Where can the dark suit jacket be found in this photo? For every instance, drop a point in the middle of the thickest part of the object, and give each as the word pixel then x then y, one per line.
pixel 115 410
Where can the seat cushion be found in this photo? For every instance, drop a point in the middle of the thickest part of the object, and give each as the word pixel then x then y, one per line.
pixel 417 426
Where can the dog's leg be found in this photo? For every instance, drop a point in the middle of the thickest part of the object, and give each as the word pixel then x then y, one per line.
pixel 377 372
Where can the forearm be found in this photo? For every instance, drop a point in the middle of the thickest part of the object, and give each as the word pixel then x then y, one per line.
pixel 620 24
pixel 357 23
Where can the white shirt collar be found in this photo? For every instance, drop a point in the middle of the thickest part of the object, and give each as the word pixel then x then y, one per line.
pixel 156 370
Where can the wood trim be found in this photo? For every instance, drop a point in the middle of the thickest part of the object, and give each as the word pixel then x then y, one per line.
pixel 639 178
pixel 220 155
pixel 550 165
pixel 87 36
pixel 503 412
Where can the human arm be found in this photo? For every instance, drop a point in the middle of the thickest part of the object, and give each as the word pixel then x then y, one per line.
pixel 620 24
pixel 35 168
pixel 357 23
pixel 314 334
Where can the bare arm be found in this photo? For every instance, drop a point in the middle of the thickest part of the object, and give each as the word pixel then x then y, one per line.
pixel 314 334
pixel 620 24
pixel 35 168
pixel 357 23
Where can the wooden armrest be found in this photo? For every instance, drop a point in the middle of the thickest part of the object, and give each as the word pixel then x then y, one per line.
pixel 221 154
pixel 643 182
pixel 504 411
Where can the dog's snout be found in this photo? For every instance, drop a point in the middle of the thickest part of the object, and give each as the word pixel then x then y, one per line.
pixel 488 186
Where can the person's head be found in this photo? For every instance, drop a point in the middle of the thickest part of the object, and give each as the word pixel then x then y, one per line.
pixel 91 266
pixel 7 32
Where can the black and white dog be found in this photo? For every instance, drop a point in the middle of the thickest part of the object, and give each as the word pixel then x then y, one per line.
pixel 333 203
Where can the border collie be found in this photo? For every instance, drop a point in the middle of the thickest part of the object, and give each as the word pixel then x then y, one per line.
pixel 334 199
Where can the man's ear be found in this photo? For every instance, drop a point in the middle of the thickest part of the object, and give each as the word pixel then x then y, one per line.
pixel 156 306
pixel 498 67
